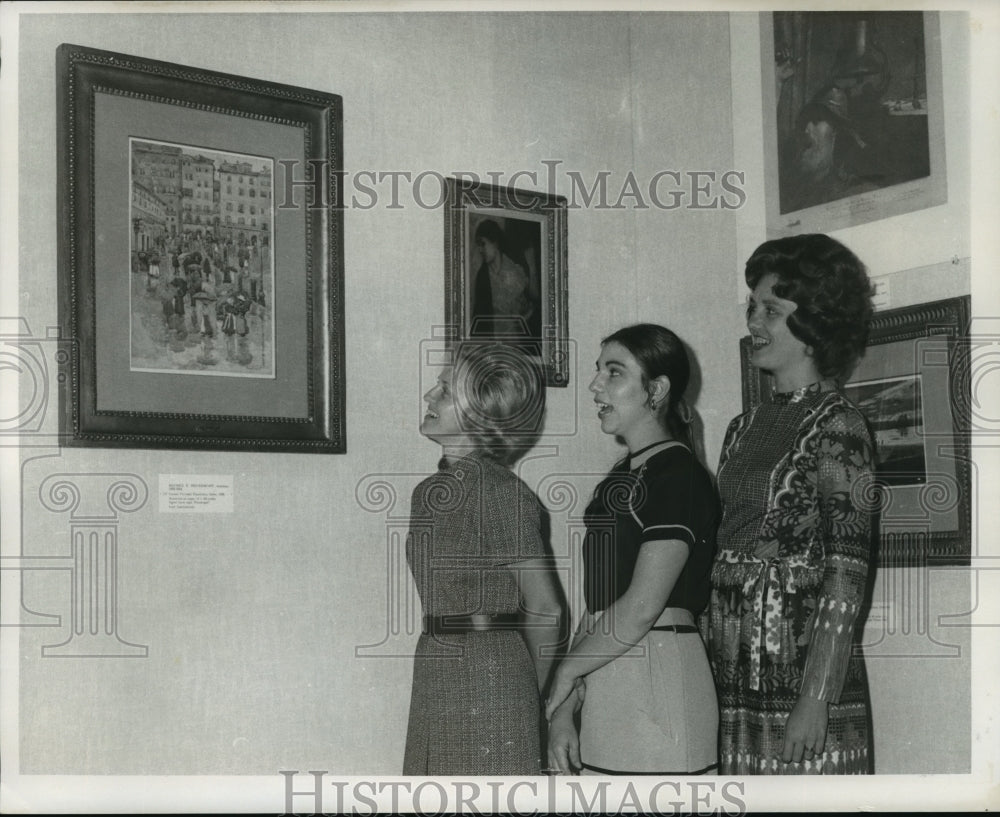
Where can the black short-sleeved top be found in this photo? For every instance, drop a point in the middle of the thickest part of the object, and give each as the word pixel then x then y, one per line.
pixel 670 496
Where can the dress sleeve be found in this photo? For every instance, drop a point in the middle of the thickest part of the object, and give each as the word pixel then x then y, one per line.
pixel 844 460
pixel 514 523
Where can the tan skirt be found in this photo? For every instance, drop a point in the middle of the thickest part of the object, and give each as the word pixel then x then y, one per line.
pixel 653 709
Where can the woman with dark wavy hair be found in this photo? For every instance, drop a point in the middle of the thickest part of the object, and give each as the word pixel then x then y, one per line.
pixel 796 477
pixel 637 672
pixel 490 596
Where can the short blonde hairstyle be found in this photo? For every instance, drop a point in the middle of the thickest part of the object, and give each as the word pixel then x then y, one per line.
pixel 500 395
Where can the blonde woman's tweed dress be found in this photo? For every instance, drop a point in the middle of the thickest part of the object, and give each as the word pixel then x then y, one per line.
pixel 474 708
pixel 789 580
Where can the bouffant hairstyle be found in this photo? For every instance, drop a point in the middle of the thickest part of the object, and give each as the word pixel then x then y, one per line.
pixel 660 352
pixel 500 396
pixel 832 294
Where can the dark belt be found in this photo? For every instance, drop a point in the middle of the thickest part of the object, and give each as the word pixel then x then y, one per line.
pixel 479 623
pixel 676 628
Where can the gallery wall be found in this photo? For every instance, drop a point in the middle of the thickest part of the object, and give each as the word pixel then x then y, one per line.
pixel 271 641
pixel 252 618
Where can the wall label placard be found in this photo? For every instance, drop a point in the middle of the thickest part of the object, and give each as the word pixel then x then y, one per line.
pixel 196 493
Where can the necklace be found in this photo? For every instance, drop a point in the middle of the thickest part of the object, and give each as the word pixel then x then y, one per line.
pixel 633 454
pixel 640 469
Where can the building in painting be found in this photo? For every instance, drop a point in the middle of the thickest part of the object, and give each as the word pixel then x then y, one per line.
pixel 203 198
pixel 244 203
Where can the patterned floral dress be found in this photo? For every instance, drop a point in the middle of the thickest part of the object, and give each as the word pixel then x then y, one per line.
pixel 789 580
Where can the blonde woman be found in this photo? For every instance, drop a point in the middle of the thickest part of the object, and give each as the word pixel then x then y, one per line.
pixel 491 599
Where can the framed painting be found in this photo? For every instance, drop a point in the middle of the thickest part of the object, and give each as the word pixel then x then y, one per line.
pixel 505 271
pixel 853 117
pixel 200 258
pixel 914 387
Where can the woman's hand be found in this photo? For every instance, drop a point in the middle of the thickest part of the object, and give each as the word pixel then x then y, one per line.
pixel 563 686
pixel 564 742
pixel 805 732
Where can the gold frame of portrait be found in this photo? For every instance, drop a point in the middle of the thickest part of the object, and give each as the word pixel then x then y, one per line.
pixel 466 202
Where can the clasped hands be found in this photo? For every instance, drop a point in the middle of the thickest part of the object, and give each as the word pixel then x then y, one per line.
pixel 563 685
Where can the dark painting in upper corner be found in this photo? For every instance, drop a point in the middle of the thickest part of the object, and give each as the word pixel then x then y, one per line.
pixel 853 117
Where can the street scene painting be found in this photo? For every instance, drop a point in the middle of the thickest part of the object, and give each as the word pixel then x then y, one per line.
pixel 894 409
pixel 201 257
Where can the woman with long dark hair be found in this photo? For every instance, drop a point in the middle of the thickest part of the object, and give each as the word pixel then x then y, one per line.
pixel 637 672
